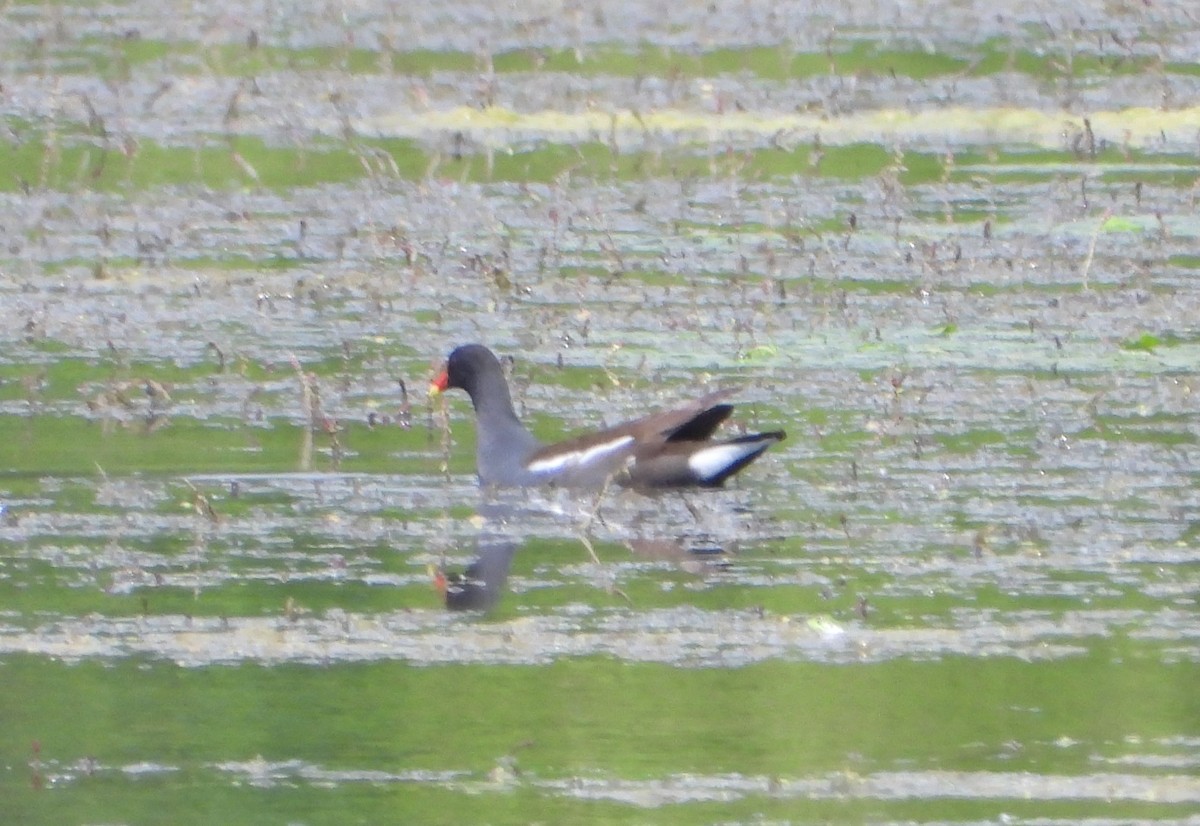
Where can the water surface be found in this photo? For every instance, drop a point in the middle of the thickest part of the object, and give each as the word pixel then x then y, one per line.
pixel 952 252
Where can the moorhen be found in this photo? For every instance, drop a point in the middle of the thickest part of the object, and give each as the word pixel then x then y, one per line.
pixel 670 448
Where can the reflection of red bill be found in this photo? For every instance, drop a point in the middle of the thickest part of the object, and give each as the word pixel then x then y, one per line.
pixel 439 579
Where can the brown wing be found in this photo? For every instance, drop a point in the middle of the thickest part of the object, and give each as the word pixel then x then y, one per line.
pixel 596 455
pixel 693 421
pixel 701 427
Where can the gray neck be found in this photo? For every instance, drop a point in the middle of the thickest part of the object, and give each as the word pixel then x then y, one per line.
pixel 503 443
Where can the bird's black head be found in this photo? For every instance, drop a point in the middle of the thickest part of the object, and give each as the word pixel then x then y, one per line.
pixel 466 367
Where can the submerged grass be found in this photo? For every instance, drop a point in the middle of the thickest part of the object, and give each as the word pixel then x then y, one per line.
pixel 76 162
pixel 409 717
pixel 117 57
pixel 179 445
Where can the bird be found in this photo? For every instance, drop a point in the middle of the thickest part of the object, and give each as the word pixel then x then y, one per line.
pixel 671 448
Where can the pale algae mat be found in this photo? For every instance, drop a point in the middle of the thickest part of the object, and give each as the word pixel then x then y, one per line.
pixel 951 247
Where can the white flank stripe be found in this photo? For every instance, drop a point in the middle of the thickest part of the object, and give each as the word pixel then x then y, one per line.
pixel 576 458
pixel 711 461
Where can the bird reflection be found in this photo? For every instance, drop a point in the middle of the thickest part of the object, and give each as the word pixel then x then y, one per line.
pixel 480 586
pixel 504 518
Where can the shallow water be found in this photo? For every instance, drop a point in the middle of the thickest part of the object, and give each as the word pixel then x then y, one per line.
pixel 951 252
